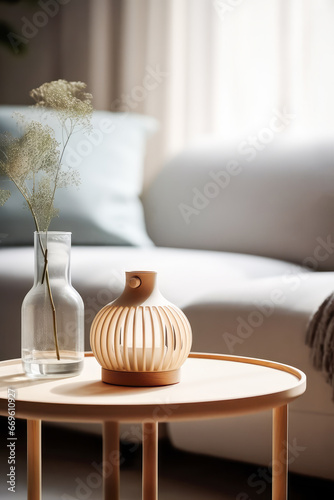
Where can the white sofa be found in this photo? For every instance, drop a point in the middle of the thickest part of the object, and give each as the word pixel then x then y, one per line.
pixel 280 205
pixel 235 244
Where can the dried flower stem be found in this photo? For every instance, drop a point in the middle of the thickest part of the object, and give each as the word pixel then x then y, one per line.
pixel 54 317
pixel 59 167
pixel 45 276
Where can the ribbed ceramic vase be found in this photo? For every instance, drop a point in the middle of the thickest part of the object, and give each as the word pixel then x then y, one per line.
pixel 141 339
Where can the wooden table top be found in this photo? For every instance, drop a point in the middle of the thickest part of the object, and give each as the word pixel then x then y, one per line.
pixel 211 386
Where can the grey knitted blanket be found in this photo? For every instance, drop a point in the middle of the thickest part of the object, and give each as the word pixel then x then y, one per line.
pixel 320 337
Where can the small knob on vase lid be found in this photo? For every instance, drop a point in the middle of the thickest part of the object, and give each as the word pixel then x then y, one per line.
pixel 134 282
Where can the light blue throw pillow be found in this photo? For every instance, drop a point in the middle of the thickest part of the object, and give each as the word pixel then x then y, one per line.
pixel 105 208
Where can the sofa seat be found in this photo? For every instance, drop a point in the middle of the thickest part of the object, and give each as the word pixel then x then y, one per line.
pixel 185 276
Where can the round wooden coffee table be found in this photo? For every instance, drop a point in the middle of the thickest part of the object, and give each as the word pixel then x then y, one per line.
pixel 211 386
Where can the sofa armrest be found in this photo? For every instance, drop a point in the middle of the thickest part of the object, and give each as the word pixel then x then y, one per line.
pixel 266 318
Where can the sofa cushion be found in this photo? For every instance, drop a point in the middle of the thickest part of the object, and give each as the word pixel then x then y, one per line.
pixel 105 208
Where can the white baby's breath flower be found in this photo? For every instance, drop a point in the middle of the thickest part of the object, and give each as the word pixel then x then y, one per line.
pixel 68 99
pixel 33 161
pixel 4 195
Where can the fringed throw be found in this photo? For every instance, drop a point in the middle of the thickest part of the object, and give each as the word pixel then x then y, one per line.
pixel 320 337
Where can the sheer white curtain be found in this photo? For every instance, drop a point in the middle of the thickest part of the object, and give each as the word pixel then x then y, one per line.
pixel 199 66
pixel 309 65
pixel 226 65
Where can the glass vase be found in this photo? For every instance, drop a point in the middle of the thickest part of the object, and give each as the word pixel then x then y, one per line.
pixel 52 320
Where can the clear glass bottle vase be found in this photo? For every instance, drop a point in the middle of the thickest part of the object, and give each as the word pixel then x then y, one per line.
pixel 52 319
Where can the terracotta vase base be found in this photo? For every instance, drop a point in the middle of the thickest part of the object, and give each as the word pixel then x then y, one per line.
pixel 140 379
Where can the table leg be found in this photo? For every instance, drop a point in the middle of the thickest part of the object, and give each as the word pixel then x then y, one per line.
pixel 150 461
pixel 110 464
pixel 34 468
pixel 280 453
